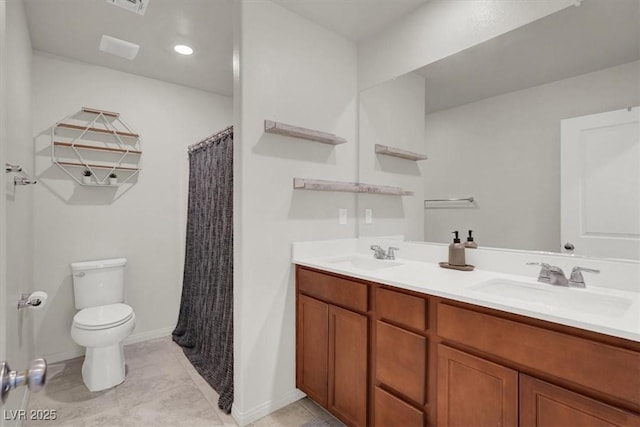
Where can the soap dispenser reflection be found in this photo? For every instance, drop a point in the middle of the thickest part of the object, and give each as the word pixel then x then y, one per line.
pixel 470 243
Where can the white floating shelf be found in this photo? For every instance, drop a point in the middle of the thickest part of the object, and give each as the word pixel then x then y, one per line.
pixel 348 187
pixel 397 152
pixel 303 133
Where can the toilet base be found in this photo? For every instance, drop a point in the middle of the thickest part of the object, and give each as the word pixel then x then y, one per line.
pixel 103 367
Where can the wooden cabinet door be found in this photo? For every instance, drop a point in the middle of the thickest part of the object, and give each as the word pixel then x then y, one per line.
pixel 312 348
pixel 348 366
pixel 475 392
pixel 543 404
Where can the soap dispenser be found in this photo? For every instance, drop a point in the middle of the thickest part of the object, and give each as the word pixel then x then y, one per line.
pixel 470 243
pixel 456 252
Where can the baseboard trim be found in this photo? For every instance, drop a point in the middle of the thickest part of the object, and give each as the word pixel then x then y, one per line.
pixel 63 355
pixel 244 418
pixel 149 335
pixel 132 339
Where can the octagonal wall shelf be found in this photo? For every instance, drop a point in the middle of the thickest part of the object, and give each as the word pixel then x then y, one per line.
pixel 98 141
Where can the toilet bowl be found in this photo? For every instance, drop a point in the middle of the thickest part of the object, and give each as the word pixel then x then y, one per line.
pixel 101 330
pixel 103 321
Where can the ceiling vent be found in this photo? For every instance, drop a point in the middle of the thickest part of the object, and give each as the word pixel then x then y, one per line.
pixel 137 6
pixel 121 48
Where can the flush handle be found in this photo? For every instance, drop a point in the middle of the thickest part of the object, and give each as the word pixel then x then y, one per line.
pixel 80 274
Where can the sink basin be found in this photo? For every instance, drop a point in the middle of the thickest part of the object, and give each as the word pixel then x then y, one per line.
pixel 554 298
pixel 361 263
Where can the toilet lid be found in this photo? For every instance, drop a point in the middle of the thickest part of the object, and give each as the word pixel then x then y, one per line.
pixel 104 316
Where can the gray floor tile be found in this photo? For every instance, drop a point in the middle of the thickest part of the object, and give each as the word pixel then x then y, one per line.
pixel 207 391
pixel 162 388
pixel 180 405
pixel 294 415
pixel 147 353
pixel 315 409
pixel 146 382
pixel 74 403
pixel 64 375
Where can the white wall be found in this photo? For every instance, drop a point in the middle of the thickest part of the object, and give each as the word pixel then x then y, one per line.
pixel 144 224
pixel 392 114
pixel 295 72
pixel 441 28
pixel 505 151
pixel 18 150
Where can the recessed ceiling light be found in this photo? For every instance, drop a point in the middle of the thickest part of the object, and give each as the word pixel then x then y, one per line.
pixel 183 49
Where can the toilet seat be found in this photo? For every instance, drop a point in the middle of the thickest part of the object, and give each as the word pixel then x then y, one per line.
pixel 103 317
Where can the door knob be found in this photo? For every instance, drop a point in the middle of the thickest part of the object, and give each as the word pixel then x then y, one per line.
pixel 35 377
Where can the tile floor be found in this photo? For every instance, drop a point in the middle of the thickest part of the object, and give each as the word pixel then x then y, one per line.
pixel 162 389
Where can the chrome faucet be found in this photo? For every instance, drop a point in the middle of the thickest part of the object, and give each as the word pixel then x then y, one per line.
pixel 379 253
pixel 551 274
pixel 555 276
pixel 576 279
pixel 543 276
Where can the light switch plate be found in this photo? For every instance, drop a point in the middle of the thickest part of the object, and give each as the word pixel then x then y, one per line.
pixel 342 216
pixel 368 216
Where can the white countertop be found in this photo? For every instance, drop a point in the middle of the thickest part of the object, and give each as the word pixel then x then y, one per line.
pixel 611 317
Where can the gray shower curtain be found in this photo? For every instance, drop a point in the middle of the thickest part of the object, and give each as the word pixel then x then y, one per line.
pixel 205 323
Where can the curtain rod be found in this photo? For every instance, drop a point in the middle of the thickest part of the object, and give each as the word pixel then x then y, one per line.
pixel 224 132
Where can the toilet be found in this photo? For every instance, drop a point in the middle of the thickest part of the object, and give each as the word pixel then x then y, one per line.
pixel 103 321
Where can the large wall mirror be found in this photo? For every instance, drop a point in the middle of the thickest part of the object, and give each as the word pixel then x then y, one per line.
pixel 538 125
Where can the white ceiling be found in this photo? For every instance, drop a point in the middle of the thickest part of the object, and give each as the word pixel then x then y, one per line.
pixel 577 40
pixel 73 28
pixel 354 19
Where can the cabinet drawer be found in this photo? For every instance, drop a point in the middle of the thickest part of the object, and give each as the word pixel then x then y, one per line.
pixel 401 360
pixel 607 369
pixel 333 289
pixel 390 411
pixel 401 308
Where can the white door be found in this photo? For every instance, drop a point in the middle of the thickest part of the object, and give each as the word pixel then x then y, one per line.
pixel 3 235
pixel 16 332
pixel 600 173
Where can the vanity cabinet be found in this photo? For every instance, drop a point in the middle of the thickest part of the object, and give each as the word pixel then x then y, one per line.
pixel 377 355
pixel 610 371
pixel 332 344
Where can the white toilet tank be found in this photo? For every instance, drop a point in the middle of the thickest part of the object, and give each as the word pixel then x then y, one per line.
pixel 98 282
